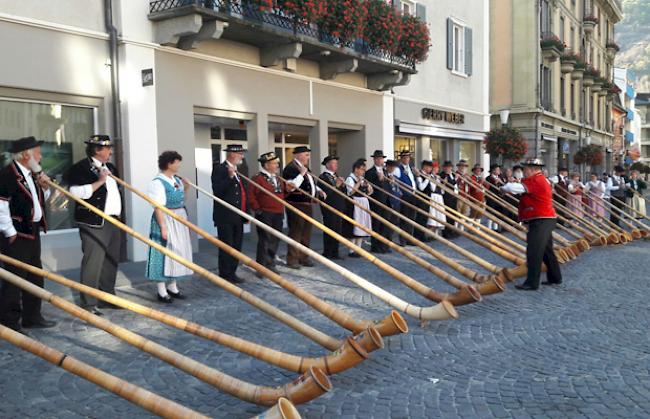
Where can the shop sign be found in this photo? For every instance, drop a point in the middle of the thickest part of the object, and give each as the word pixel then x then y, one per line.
pixel 438 115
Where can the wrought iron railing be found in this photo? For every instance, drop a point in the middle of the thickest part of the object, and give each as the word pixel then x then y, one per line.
pixel 250 11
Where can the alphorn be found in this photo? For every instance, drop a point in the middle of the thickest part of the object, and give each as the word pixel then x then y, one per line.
pixel 472 233
pixel 466 293
pixel 336 315
pixel 307 387
pixel 489 288
pixel 302 328
pixel 391 325
pixel 347 356
pixel 468 273
pixel 635 211
pixel 283 409
pixel 147 400
pixel 442 311
pixel 582 224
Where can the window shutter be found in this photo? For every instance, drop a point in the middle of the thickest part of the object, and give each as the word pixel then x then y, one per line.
pixel 450 44
pixel 421 12
pixel 397 4
pixel 468 51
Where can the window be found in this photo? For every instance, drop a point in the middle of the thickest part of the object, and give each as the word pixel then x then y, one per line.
pixel 469 151
pixel 459 48
pixel 402 143
pixel 572 100
pixel 562 95
pixel 545 77
pixel 562 29
pixel 286 141
pixel 64 129
pixel 223 136
pixel 545 17
pixel 408 7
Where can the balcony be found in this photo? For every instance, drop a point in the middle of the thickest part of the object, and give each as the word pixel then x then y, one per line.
pixel 280 36
pixel 630 114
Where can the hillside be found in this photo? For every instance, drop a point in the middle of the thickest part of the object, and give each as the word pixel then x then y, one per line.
pixel 633 35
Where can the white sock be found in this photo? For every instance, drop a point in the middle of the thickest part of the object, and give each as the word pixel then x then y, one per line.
pixel 172 287
pixel 162 289
pixel 489 224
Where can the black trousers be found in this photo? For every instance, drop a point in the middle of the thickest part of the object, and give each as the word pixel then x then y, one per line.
pixel 617 209
pixel 422 220
pixel 300 231
pixel 11 297
pixel 409 213
pixel 330 244
pixel 540 249
pixel 232 234
pixel 380 228
pixel 267 244
pixel 101 253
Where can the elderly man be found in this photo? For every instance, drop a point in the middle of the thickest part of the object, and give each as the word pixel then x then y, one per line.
pixel 298 175
pixel 100 240
pixel 406 174
pixel 376 175
pixel 229 186
pixel 536 211
pixel 23 191
pixel 331 220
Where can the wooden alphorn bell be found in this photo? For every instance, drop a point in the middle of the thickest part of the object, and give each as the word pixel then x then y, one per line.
pixel 646 229
pixel 335 314
pixel 488 285
pixel 347 356
pixel 307 387
pixel 441 311
pixel 473 233
pixel 147 400
pixel 299 326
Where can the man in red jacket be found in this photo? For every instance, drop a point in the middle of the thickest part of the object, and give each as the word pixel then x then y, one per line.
pixel 266 209
pixel 536 211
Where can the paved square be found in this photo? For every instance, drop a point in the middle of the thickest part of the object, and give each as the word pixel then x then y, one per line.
pixel 578 350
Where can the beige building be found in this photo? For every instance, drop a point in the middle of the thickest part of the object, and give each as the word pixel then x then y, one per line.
pixel 556 108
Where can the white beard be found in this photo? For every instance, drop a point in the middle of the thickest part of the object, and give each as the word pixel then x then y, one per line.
pixel 34 166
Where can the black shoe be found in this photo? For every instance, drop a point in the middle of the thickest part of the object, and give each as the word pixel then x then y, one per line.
pixel 525 287
pixel 176 295
pixel 551 283
pixel 235 279
pixel 38 324
pixel 166 299
pixel 109 306
pixel 17 328
pixel 308 263
pixel 354 255
pixel 388 251
pixel 293 266
pixel 94 310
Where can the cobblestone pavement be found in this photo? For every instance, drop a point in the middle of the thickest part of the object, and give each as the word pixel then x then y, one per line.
pixel 578 350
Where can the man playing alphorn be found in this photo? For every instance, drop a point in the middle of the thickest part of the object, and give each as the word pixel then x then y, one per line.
pixel 536 211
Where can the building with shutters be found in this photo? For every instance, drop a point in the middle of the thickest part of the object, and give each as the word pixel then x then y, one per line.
pixel 443 112
pixel 643 107
pixel 193 76
pixel 538 54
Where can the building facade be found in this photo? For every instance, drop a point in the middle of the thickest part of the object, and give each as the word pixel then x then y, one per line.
pixel 539 52
pixel 624 79
pixel 642 103
pixel 442 114
pixel 191 76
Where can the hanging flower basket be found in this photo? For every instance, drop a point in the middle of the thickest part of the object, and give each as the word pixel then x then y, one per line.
pixel 505 142
pixel 612 47
pixel 552 47
pixel 589 23
pixel 568 62
pixel 383 27
pixel 591 155
pixel 415 40
pixel 305 11
pixel 578 69
pixel 590 75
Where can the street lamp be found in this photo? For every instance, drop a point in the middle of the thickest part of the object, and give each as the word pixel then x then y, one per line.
pixel 504 114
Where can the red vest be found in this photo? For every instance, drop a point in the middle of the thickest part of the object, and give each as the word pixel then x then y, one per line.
pixel 537 202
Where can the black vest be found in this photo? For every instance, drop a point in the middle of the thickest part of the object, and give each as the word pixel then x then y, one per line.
pixel 291 172
pixel 333 199
pixel 84 173
pixel 14 188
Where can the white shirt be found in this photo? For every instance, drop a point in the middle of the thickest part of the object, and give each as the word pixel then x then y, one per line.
pixel 113 204
pixel 156 190
pixel 514 188
pixel 6 224
pixel 409 173
pixel 422 182
pixel 599 188
pixel 274 178
pixel 350 182
pixel 380 169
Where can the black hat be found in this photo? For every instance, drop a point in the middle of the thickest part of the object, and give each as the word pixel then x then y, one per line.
pixel 235 148
pixel 447 163
pixel 328 159
pixel 477 166
pixel 461 163
pixel 391 163
pixel 267 157
pixel 301 149
pixel 404 153
pixel 427 163
pixel 562 169
pixel 99 139
pixel 22 144
pixel 619 169
pixel 494 166
pixel 378 153
pixel 533 162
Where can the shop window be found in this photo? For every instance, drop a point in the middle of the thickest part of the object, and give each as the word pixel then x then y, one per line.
pixel 64 129
pixel 402 143
pixel 468 151
pixel 285 142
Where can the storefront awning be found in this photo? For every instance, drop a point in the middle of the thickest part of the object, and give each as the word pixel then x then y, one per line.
pixel 551 138
pixel 432 131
